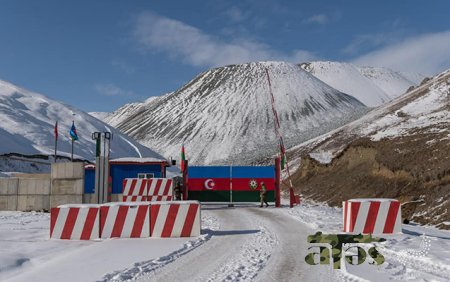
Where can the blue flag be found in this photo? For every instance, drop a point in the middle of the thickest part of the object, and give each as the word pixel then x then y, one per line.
pixel 73 132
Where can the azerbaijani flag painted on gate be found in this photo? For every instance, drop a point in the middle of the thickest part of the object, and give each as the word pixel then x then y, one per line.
pixel 213 183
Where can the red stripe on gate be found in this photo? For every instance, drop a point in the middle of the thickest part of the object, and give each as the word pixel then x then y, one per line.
pixel 132 186
pixel 354 209
pixel 170 220
pixel 345 216
pixel 158 186
pixel 89 224
pixel 53 217
pixel 154 210
pixel 139 221
pixel 143 186
pixel 371 217
pixel 103 215
pixel 70 223
pixel 166 189
pixel 391 217
pixel 120 221
pixel 189 222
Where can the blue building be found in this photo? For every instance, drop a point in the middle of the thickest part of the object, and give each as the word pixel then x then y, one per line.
pixel 122 168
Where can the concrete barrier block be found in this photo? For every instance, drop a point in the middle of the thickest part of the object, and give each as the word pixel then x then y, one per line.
pixel 8 202
pixel 30 186
pixel 67 170
pixel 9 186
pixel 90 199
pixel 33 202
pixel 57 200
pixel 67 187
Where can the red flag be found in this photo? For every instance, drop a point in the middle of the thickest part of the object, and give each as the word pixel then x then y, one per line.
pixel 183 158
pixel 56 130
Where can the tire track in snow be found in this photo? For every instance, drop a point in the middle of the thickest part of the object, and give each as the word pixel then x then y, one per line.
pixel 141 269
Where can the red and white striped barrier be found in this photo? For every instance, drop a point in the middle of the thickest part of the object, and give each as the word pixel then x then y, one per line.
pixel 75 222
pixel 160 189
pixel 134 190
pixel 175 219
pixel 125 220
pixel 374 216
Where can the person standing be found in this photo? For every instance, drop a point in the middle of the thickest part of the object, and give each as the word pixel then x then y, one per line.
pixel 177 191
pixel 262 195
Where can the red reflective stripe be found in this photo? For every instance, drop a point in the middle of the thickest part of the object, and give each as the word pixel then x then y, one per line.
pixel 70 223
pixel 154 211
pixel 54 212
pixel 170 220
pixel 167 187
pixel 371 217
pixel 354 209
pixel 345 216
pixel 189 222
pixel 158 186
pixel 142 189
pixel 119 221
pixel 103 215
pixel 139 221
pixel 391 217
pixel 89 224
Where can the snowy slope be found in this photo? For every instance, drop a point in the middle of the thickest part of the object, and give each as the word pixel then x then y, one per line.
pixel 399 150
pixel 225 113
pixel 422 110
pixel 99 115
pixel 372 86
pixel 27 124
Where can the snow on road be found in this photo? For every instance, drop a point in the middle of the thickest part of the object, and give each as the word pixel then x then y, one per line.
pixel 245 243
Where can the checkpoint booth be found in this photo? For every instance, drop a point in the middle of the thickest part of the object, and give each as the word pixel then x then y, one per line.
pixel 120 169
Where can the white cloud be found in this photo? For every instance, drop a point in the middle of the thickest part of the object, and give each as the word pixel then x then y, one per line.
pixel 112 90
pixel 194 47
pixel 428 54
pixel 317 19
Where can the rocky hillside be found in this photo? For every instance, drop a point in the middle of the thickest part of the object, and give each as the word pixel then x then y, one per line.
pixel 224 115
pixel 398 151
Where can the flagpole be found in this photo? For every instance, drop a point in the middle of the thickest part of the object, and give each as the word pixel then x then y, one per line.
pixel 56 146
pixel 56 139
pixel 71 156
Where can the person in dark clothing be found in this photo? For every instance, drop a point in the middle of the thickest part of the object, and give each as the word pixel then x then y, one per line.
pixel 177 191
pixel 262 195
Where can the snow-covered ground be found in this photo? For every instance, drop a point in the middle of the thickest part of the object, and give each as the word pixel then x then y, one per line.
pixel 244 243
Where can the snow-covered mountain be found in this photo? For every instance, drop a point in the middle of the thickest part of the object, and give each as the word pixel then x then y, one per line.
pixel 399 150
pixel 27 127
pixel 225 113
pixel 371 86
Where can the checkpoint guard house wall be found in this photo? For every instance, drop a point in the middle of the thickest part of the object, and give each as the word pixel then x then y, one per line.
pixel 126 168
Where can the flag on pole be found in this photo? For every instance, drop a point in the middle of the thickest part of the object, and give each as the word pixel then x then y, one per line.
pixel 183 158
pixel 73 132
pixel 56 130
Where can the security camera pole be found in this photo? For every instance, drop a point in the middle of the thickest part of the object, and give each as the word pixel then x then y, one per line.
pixel 102 164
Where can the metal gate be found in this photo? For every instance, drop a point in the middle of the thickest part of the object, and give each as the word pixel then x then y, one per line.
pixel 230 183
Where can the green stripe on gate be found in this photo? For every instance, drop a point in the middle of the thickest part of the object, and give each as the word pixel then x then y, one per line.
pixel 224 196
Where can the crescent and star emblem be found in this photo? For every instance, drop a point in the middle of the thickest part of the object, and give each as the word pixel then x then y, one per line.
pixel 209 184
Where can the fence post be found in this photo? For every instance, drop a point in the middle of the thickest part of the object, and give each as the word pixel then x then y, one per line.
pixel 277 182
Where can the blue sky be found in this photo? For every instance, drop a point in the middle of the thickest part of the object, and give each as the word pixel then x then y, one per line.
pixel 99 55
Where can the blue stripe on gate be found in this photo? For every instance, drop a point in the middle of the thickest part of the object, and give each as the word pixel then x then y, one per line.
pixel 208 172
pixel 253 172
